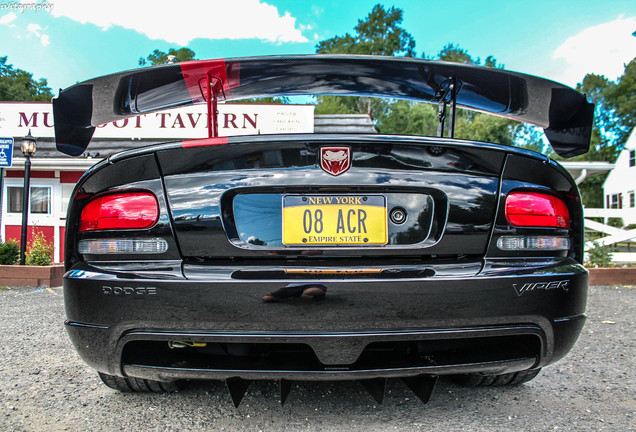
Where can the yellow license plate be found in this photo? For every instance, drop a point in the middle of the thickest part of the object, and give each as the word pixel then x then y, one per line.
pixel 334 220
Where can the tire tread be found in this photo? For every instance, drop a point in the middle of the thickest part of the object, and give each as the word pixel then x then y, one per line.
pixel 508 379
pixel 139 385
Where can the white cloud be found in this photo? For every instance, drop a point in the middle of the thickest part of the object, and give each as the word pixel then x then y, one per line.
pixel 602 49
pixel 6 19
pixel 34 28
pixel 179 23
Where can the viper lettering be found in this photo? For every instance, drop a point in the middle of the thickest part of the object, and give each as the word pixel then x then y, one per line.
pixel 541 285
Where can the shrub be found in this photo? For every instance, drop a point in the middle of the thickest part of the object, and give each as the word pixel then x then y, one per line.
pixel 615 222
pixel 599 256
pixel 9 252
pixel 39 251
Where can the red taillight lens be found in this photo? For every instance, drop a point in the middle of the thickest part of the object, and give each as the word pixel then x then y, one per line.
pixel 532 209
pixel 134 210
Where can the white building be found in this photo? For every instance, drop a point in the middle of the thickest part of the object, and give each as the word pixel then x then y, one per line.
pixel 619 188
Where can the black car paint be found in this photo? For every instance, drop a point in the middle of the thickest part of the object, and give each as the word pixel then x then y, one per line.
pixel 208 285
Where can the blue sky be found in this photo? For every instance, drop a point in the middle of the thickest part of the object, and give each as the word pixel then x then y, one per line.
pixel 67 41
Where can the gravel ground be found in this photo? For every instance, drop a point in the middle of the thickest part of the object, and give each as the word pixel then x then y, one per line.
pixel 45 386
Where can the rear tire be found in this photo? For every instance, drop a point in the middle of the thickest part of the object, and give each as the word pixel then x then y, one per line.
pixel 139 385
pixel 513 378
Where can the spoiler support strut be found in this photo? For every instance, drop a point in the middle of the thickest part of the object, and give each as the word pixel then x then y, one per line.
pixel 213 113
pixel 441 112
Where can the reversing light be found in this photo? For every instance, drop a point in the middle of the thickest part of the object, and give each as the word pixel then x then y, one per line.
pixel 526 243
pixel 534 209
pixel 124 210
pixel 122 246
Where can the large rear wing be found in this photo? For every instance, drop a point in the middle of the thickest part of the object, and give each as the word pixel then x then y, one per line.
pixel 564 113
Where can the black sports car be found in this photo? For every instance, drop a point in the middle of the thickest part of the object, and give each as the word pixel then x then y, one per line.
pixel 324 256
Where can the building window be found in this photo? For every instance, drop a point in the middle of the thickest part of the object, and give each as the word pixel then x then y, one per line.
pixel 632 199
pixel 632 158
pixel 40 200
pixel 615 201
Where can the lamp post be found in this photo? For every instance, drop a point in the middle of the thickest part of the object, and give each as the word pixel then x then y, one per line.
pixel 28 149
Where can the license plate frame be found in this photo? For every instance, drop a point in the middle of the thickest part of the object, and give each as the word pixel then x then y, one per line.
pixel 342 220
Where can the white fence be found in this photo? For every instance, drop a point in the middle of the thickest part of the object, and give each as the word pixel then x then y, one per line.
pixel 614 235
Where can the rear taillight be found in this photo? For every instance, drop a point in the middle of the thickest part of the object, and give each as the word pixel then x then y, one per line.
pixel 125 210
pixel 534 209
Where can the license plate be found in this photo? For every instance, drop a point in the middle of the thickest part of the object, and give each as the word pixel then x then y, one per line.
pixel 334 220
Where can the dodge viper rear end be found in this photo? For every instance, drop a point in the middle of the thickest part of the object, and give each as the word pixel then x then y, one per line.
pixel 322 257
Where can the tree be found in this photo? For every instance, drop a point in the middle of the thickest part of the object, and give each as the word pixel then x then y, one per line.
pixel 622 99
pixel 614 119
pixel 408 118
pixel 19 85
pixel 615 115
pixel 417 118
pixel 454 53
pixel 380 33
pixel 158 57
pixel 263 100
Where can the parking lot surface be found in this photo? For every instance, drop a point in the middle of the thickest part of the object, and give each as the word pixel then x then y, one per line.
pixel 44 386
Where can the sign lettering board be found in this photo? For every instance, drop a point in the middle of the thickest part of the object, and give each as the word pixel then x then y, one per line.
pixel 17 118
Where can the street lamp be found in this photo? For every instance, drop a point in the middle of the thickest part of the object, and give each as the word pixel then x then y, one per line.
pixel 28 149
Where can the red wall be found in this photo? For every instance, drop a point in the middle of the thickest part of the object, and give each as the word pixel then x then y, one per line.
pixel 14 232
pixel 70 176
pixel 62 238
pixel 34 174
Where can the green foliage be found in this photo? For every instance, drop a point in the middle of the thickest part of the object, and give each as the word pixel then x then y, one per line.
pixel 9 252
pixel 455 53
pixel 336 105
pixel 622 99
pixel 380 33
pixel 39 251
pixel 591 190
pixel 407 117
pixel 615 114
pixel 615 222
pixel 19 85
pixel 614 118
pixel 599 256
pixel 484 127
pixel 158 57
pixel 263 100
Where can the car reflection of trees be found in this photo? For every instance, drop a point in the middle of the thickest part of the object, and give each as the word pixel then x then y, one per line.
pixel 473 218
pixel 415 233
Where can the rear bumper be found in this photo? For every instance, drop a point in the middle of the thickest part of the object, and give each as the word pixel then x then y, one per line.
pixel 503 318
